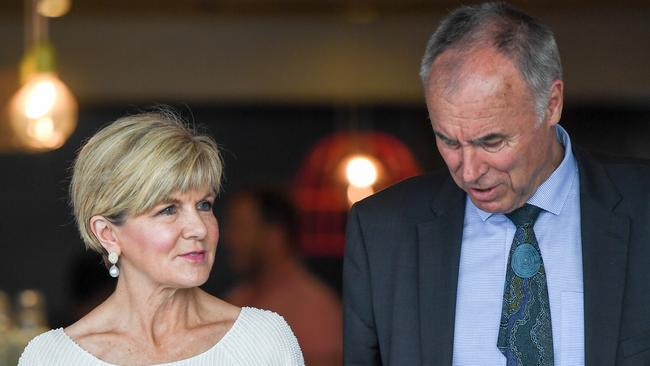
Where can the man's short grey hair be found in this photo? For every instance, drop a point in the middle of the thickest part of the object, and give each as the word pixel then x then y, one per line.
pixel 511 32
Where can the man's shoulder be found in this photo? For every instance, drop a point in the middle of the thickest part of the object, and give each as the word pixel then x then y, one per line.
pixel 626 173
pixel 618 161
pixel 412 193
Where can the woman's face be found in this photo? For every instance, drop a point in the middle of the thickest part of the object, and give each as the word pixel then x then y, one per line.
pixel 172 245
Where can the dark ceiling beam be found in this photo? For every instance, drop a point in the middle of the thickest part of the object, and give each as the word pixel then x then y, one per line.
pixel 313 7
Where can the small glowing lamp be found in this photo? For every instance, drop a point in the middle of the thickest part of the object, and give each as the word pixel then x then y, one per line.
pixel 361 172
pixel 53 8
pixel 43 112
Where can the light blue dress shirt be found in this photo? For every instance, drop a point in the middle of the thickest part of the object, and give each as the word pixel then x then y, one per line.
pixel 487 238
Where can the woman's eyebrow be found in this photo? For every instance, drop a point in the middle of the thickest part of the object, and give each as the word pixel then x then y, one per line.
pixel 169 200
pixel 206 197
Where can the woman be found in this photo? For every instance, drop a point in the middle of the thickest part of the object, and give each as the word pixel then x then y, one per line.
pixel 142 191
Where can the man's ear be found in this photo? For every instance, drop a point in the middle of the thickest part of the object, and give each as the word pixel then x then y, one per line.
pixel 105 232
pixel 555 103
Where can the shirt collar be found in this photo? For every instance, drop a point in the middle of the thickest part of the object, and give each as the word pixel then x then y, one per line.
pixel 553 192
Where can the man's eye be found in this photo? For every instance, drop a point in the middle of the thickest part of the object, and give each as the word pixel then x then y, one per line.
pixel 493 145
pixel 449 143
pixel 205 206
pixel 169 210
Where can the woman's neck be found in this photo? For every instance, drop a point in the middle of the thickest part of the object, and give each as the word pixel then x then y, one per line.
pixel 151 311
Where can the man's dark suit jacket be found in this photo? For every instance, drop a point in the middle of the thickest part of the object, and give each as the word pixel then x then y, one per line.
pixel 402 257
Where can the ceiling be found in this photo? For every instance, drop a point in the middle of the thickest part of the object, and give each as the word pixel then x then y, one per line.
pixel 311 7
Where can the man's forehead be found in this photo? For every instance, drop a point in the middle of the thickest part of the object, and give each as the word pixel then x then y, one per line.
pixel 469 130
pixel 454 70
pixel 478 100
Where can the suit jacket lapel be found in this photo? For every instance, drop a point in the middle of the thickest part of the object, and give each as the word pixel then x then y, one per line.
pixel 439 241
pixel 605 236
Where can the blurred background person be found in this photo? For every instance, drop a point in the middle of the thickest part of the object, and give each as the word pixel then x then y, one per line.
pixel 261 235
pixel 142 191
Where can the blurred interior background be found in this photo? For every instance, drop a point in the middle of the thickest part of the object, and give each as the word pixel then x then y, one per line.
pixel 291 90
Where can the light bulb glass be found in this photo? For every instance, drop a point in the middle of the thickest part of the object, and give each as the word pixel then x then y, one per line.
pixel 40 100
pixel 53 8
pixel 361 172
pixel 43 113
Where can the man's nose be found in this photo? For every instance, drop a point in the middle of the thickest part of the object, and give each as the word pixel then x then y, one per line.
pixel 472 168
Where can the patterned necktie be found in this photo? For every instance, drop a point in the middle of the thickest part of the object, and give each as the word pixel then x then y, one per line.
pixel 525 336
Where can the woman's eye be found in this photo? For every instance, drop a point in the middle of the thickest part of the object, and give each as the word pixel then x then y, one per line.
pixel 169 210
pixel 205 206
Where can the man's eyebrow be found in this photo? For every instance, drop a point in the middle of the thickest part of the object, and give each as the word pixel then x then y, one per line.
pixel 443 137
pixel 490 137
pixel 483 139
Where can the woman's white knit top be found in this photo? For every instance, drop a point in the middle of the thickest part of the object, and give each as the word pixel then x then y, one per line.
pixel 258 337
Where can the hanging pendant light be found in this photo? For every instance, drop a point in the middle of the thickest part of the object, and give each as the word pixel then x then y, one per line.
pixel 43 113
pixel 340 170
pixel 53 8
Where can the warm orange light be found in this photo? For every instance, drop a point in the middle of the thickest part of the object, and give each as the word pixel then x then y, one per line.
pixel 358 193
pixel 361 172
pixel 43 112
pixel 53 8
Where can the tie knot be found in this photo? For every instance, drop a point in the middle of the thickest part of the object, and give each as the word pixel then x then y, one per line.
pixel 527 214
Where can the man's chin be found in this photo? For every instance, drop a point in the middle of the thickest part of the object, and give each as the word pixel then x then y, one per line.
pixel 489 194
pixel 492 206
pixel 487 200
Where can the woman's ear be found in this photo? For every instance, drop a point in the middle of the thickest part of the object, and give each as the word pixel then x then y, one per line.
pixel 105 232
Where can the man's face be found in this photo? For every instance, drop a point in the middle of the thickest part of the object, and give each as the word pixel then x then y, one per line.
pixel 486 130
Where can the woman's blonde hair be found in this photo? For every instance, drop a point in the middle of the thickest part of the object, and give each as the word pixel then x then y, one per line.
pixel 136 162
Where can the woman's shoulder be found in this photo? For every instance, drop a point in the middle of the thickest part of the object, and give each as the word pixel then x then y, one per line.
pixel 53 338
pixel 254 318
pixel 45 347
pixel 264 332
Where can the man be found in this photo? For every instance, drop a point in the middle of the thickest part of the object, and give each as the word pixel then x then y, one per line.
pixel 525 251
pixel 261 233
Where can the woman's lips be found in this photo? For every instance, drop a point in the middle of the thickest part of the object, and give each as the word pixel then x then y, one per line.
pixel 195 256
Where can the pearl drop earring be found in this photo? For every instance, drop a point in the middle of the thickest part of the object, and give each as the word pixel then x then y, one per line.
pixel 113 271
